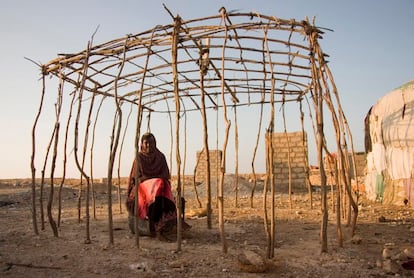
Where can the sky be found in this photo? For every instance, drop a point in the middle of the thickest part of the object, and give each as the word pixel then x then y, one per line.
pixel 371 52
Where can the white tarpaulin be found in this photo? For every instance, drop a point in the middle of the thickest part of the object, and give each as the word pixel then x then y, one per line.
pixel 391 132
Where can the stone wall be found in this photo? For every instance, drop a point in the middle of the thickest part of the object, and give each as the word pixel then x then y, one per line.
pixel 360 164
pixel 215 163
pixel 291 146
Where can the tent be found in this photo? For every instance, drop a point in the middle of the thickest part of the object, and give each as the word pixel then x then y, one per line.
pixel 389 143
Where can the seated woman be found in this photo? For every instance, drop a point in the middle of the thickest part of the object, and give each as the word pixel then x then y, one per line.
pixel 156 211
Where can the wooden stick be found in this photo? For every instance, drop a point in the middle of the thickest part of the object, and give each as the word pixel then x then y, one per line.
pixel 29 265
pixel 271 246
pixel 91 156
pixel 32 158
pixel 220 195
pixel 65 145
pixel 174 53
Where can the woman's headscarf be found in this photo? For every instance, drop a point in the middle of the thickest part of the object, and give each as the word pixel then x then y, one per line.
pixel 152 162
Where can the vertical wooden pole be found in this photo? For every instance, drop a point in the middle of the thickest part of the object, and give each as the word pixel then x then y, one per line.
pixel 236 162
pixel 270 171
pixel 174 55
pixel 62 182
pixel 318 98
pixel 32 158
pixel 137 144
pixel 304 139
pixel 206 150
pixel 220 196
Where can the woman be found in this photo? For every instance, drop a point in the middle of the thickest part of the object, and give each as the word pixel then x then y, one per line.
pixel 156 205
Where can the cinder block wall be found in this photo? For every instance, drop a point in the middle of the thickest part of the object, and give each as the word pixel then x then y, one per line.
pixel 293 145
pixel 360 163
pixel 215 163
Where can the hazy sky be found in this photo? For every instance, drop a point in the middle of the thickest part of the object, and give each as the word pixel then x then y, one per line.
pixel 371 50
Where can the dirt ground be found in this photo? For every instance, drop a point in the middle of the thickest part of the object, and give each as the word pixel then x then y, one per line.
pixel 382 244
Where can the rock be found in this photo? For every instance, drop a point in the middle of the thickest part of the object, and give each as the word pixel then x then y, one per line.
pixel 143 266
pixel 409 252
pixel 382 219
pixel 390 267
pixel 387 253
pixel 356 239
pixel 399 257
pixel 251 262
pixel 378 263
pixel 181 264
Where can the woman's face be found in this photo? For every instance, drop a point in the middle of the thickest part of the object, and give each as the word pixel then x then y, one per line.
pixel 148 145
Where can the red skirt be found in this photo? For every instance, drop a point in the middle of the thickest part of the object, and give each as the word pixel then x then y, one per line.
pixel 148 191
pixel 155 203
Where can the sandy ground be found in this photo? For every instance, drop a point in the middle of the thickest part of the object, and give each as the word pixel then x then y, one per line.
pixel 382 244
